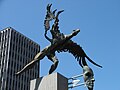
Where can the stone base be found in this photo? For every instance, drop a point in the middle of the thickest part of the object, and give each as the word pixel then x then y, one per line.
pixel 54 81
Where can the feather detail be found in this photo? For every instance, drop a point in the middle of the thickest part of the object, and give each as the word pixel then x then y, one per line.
pixel 77 51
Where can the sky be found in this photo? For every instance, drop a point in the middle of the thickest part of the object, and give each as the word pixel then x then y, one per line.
pixel 99 22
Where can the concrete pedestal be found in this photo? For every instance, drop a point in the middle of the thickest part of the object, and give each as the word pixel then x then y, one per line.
pixel 53 81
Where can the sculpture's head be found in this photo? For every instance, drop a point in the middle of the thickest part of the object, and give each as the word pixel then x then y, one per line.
pixel 88 76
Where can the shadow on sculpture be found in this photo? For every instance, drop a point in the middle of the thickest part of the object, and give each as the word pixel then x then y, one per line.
pixel 62 43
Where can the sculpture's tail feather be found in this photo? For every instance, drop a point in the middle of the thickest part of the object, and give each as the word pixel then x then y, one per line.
pixel 93 62
pixel 84 63
pixel 26 67
pixel 80 62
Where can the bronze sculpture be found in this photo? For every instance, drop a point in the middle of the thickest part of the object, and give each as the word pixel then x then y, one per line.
pixel 69 46
pixel 59 43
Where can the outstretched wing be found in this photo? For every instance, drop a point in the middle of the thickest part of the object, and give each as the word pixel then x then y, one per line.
pixel 77 52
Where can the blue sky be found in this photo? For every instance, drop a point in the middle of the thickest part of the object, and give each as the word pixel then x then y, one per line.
pixel 98 20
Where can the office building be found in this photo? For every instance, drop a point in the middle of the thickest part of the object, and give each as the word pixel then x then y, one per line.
pixel 16 50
